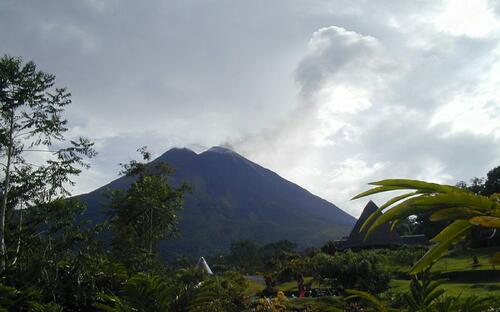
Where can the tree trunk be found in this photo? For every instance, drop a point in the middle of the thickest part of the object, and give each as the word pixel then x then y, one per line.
pixel 18 248
pixel 151 232
pixel 6 187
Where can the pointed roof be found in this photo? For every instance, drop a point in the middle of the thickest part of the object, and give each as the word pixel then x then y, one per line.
pixel 383 236
pixel 203 265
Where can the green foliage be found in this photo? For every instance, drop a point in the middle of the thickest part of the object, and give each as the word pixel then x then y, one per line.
pixel 31 120
pixel 484 186
pixel 492 183
pixel 470 304
pixel 349 270
pixel 376 303
pixel 224 293
pixel 62 257
pixel 186 283
pixel 145 214
pixel 245 255
pixel 250 258
pixel 188 290
pixel 12 299
pixel 404 256
pixel 142 292
pixel 321 304
pixel 294 266
pixel 329 248
pixel 443 200
pixel 423 293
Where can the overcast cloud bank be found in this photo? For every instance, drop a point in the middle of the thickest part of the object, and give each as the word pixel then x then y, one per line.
pixel 330 95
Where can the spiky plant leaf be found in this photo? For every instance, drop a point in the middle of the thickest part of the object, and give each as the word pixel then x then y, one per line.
pixel 486 221
pixel 376 190
pixel 444 202
pixel 454 213
pixel 444 239
pixel 379 211
pixel 394 224
pixel 428 203
pixel 418 185
pixel 374 301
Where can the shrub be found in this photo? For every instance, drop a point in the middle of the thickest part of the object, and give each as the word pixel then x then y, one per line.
pixel 346 270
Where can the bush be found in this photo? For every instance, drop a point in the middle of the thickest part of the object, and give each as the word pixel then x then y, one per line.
pixel 406 255
pixel 293 268
pixel 346 270
pixel 329 248
pixel 189 290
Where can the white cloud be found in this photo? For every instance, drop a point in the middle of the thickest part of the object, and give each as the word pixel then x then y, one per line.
pixel 473 18
pixel 330 94
pixel 375 114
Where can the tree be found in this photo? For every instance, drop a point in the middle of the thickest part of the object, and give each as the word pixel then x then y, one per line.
pixel 147 212
pixel 245 255
pixel 62 257
pixel 330 248
pixel 476 185
pixel 484 186
pixel 488 186
pixel 464 209
pixel 492 183
pixel 31 120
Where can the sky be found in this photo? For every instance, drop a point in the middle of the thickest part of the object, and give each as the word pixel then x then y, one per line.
pixel 329 94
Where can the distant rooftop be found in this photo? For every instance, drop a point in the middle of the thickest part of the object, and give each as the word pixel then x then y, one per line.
pixel 381 237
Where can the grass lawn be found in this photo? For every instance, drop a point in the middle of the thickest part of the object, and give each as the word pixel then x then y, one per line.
pixel 326 304
pixel 253 288
pixel 455 289
pixel 292 286
pixel 458 263
pixel 487 283
pixel 462 260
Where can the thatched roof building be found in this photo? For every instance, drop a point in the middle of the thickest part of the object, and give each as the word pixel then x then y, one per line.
pixel 382 237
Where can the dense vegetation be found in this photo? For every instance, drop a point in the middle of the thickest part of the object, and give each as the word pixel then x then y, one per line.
pixel 52 259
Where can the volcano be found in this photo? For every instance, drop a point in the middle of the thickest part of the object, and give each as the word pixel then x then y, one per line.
pixel 233 199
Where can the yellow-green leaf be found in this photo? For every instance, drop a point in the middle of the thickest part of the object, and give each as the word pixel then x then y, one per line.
pixel 418 185
pixel 454 214
pixel 450 230
pixel 486 221
pixel 399 198
pixel 445 238
pixel 378 212
pixel 394 224
pixel 428 203
pixel 375 190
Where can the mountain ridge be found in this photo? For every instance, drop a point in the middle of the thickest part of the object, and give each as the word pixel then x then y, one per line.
pixel 235 198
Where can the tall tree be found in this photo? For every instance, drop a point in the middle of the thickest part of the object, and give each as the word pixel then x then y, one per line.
pixel 492 183
pixel 146 213
pixel 31 120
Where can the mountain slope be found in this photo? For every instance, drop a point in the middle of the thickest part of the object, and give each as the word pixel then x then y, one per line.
pixel 234 198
